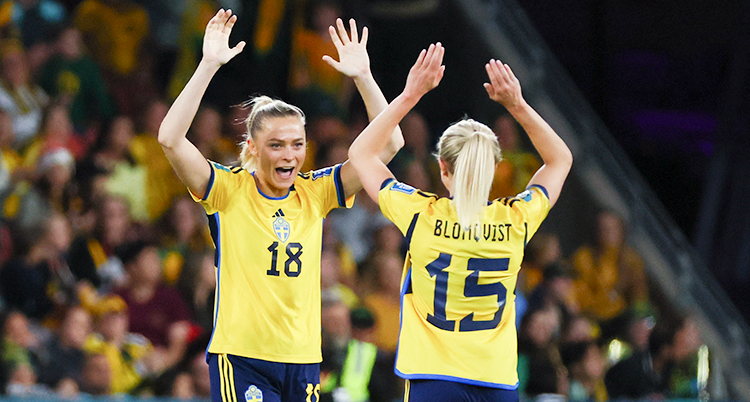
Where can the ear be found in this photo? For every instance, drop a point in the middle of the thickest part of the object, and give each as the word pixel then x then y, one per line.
pixel 251 147
pixel 443 168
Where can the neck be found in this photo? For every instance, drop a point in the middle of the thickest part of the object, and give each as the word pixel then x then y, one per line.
pixel 268 190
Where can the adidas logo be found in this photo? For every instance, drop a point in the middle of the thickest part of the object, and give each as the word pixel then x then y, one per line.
pixel 278 213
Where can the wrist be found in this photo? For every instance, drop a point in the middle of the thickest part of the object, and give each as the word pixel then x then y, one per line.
pixel 364 78
pixel 518 107
pixel 208 65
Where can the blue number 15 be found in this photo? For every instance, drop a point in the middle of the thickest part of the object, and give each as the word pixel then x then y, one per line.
pixel 472 288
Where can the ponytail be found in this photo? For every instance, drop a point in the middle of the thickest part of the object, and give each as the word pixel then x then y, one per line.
pixel 262 107
pixel 471 152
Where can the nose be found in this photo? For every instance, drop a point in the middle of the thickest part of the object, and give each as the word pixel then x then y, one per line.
pixel 288 153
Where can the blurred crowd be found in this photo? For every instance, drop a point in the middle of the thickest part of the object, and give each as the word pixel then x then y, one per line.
pixel 107 267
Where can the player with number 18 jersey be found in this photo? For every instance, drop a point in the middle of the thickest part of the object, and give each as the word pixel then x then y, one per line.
pixel 458 303
pixel 267 303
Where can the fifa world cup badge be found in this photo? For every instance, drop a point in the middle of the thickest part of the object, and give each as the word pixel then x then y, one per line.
pixel 281 228
pixel 253 394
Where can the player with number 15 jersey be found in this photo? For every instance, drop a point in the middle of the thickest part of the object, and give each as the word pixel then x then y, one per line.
pixel 458 287
pixel 457 341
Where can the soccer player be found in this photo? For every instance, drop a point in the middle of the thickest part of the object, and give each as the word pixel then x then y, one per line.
pixel 457 339
pixel 266 219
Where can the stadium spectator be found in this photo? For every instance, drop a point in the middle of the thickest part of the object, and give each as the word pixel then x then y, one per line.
pixel 667 368
pixel 610 276
pixel 586 366
pixel 56 132
pixel 182 233
pixel 129 356
pixel 37 20
pixel 206 134
pixel 353 368
pixel 72 76
pixel 197 285
pixel 51 190
pixel 92 255
pixel 313 85
pixel 384 300
pixel 155 310
pixel 114 31
pixel 97 376
pixel 20 97
pixel 415 163
pixel 330 274
pixel 39 282
pixel 518 165
pixel 543 249
pixel 62 357
pixel 112 159
pixel 539 364
pixel 162 184
pixel 556 288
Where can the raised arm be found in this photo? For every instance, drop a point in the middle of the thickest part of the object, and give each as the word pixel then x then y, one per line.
pixel 505 89
pixel 355 62
pixel 424 75
pixel 189 164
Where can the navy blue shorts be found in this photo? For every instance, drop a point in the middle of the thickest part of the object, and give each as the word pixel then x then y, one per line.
pixel 238 379
pixel 449 391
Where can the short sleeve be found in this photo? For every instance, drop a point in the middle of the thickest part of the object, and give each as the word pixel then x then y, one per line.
pixel 326 188
pixel 400 202
pixel 534 206
pixel 218 190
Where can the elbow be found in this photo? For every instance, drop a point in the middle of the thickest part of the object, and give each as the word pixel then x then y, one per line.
pixel 568 158
pixel 398 142
pixel 164 138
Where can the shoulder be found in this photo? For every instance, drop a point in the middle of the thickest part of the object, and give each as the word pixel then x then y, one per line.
pixel 394 186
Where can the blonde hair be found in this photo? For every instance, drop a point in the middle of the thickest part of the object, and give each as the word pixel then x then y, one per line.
pixel 261 108
pixel 470 152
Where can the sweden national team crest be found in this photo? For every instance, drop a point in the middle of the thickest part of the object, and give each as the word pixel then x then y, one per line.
pixel 281 228
pixel 253 394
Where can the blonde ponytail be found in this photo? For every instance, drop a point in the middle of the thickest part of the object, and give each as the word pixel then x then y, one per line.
pixel 471 152
pixel 262 107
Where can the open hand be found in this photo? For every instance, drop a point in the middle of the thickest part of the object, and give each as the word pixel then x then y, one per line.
pixel 353 58
pixel 216 39
pixel 503 86
pixel 426 72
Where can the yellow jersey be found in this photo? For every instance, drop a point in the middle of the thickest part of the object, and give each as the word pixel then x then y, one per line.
pixel 268 250
pixel 458 286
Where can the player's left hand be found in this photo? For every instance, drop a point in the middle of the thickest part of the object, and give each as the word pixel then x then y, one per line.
pixel 426 72
pixel 353 58
pixel 503 87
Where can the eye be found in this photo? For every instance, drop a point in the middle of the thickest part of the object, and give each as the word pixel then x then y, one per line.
pixel 275 145
pixel 299 145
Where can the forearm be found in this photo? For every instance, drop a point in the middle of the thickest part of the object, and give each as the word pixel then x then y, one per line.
pixel 375 103
pixel 176 123
pixel 379 134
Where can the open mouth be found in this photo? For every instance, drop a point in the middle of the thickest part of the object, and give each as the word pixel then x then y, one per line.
pixel 285 172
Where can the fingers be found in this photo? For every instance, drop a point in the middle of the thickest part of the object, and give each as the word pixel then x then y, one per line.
pixel 229 24
pixel 365 35
pixel 331 62
pixel 490 89
pixel 237 49
pixel 353 30
pixel 437 56
pixel 222 21
pixel 342 31
pixel 335 37
pixel 420 59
